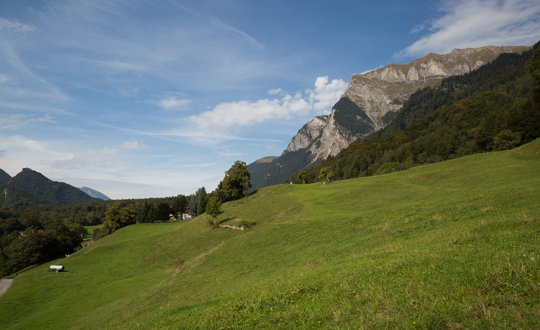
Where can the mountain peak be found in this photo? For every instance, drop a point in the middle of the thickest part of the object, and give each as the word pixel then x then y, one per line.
pixel 42 187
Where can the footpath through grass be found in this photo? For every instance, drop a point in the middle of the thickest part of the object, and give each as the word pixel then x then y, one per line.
pixel 453 245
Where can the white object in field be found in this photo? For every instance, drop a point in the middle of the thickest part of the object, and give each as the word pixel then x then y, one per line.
pixel 56 268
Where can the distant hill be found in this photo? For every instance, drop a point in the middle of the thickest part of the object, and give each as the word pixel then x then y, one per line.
pixel 94 193
pixel 40 186
pixel 4 177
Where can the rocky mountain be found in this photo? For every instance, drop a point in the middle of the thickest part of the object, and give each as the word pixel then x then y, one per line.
pixel 4 177
pixel 94 193
pixel 43 188
pixel 369 103
pixel 384 90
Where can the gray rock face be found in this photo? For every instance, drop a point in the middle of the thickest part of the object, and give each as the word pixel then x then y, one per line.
pixel 374 91
pixel 307 134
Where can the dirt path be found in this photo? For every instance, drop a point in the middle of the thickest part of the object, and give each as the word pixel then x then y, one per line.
pixel 4 285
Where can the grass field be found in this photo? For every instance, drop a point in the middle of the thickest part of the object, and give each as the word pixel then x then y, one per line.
pixel 453 245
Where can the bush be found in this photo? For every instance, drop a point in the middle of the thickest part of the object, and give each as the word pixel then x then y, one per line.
pixel 506 139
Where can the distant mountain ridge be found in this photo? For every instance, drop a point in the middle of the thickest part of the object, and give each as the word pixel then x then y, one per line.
pixel 369 103
pixel 41 187
pixel 4 177
pixel 94 193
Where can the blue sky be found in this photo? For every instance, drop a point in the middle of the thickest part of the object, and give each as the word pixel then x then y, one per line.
pixel 158 98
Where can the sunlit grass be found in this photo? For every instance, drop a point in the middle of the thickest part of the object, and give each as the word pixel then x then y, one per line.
pixel 453 245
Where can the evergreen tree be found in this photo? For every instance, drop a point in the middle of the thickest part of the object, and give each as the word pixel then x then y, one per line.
pixel 202 204
pixel 179 205
pixel 193 206
pixel 163 211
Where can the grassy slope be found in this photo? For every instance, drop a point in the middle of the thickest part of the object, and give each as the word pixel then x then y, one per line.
pixel 446 245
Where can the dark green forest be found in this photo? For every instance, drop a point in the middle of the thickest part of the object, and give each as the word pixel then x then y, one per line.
pixel 496 107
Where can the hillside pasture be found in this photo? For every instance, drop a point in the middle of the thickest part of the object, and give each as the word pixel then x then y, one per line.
pixel 451 245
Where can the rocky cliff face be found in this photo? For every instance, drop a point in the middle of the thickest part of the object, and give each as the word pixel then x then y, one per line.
pixel 383 90
pixel 368 105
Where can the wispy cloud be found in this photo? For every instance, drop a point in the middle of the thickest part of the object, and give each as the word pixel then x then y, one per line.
pixel 46 119
pixel 418 28
pixel 217 23
pixel 245 113
pixel 93 157
pixel 7 80
pixel 228 153
pixel 14 25
pixel 476 23
pixel 16 121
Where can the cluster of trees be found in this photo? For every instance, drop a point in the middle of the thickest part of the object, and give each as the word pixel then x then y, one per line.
pixel 236 183
pixel 36 240
pixel 496 107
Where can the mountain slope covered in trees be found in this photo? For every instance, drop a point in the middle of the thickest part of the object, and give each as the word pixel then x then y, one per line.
pixel 4 177
pixel 40 186
pixel 496 107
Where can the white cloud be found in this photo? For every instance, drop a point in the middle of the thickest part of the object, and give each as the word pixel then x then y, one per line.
pixel 245 113
pixel 14 25
pixel 326 94
pixel 172 103
pixel 132 144
pixel 477 23
pixel 274 91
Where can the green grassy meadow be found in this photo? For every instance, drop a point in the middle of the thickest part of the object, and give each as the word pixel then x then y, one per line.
pixel 452 245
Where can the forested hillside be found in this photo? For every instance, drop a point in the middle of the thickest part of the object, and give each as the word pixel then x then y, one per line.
pixel 4 177
pixel 496 107
pixel 40 186
pixel 13 197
